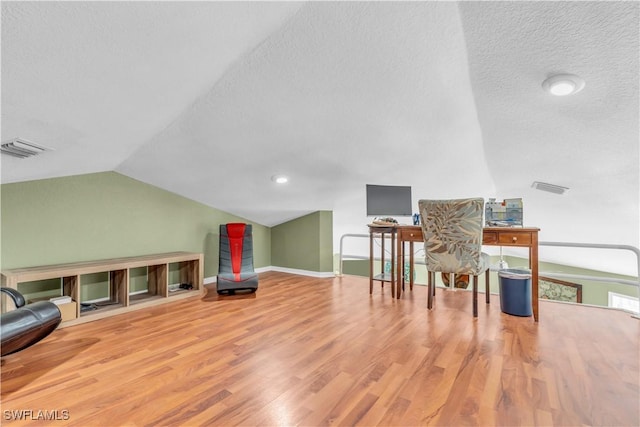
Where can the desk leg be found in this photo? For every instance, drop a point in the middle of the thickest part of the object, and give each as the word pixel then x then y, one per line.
pixel 394 275
pixel 399 266
pixel 533 264
pixel 411 266
pixel 400 286
pixel 401 260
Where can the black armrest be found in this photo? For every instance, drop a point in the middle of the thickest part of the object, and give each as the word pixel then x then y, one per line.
pixel 16 296
pixel 25 326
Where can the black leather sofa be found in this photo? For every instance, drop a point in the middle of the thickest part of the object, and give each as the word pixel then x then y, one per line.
pixel 27 324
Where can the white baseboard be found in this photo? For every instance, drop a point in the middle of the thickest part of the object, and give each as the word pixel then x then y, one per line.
pixel 302 272
pixel 321 274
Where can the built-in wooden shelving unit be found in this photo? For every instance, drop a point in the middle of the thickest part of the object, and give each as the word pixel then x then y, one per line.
pixel 116 272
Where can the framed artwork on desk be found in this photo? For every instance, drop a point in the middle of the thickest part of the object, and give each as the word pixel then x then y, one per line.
pixel 559 290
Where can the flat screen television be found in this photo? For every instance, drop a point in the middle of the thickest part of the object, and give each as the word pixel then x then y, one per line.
pixel 388 200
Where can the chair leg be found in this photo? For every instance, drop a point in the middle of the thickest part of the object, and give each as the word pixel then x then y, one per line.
pixel 434 286
pixel 486 292
pixel 430 290
pixel 475 296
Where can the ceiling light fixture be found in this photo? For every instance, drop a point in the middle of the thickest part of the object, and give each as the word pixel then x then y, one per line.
pixel 551 188
pixel 21 148
pixel 563 84
pixel 279 179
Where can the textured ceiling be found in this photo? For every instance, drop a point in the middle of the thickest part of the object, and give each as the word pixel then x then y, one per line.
pixel 588 142
pixel 210 99
pixel 96 80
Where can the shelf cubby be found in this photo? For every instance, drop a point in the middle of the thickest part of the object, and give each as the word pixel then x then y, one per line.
pixel 113 286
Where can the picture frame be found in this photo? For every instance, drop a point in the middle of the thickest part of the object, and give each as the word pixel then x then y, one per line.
pixel 559 290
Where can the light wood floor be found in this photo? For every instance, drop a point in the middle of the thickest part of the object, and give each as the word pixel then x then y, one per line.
pixel 306 351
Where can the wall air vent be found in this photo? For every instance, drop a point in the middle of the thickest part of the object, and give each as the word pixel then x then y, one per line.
pixel 551 188
pixel 21 148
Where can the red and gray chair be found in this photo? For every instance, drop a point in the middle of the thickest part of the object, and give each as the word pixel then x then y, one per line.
pixel 235 268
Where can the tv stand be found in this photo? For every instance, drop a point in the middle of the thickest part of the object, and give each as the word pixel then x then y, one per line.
pixel 377 230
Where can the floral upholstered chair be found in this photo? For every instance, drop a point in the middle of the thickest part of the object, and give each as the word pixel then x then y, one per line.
pixel 452 232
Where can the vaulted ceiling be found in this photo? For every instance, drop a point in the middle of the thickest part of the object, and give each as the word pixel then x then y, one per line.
pixel 211 99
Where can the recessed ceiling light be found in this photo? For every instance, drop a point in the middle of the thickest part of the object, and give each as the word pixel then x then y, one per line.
pixel 563 84
pixel 279 179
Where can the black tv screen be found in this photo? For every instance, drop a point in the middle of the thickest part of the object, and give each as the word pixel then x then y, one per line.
pixel 388 200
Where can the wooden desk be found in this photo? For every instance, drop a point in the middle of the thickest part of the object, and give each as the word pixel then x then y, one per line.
pixel 382 231
pixel 492 236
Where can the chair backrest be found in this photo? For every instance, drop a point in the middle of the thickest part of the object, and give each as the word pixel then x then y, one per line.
pixel 236 248
pixel 452 231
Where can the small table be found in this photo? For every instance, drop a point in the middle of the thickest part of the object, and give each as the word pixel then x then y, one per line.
pixel 491 236
pixel 376 230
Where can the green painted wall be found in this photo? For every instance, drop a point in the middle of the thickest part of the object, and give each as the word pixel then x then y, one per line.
pixel 354 267
pixel 108 215
pixel 304 243
pixel 326 240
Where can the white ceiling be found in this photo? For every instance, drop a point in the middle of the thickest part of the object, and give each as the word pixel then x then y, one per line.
pixel 210 99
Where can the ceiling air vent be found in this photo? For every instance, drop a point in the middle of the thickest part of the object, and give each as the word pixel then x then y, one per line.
pixel 22 148
pixel 551 188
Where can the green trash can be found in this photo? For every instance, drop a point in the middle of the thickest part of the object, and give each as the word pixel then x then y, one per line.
pixel 515 291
